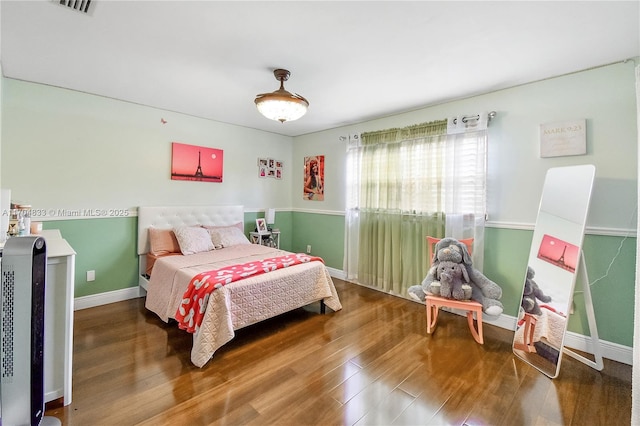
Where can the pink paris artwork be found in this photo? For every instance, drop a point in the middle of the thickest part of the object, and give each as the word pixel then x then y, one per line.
pixel 199 163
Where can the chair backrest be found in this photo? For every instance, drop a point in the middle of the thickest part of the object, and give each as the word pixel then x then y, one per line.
pixel 432 241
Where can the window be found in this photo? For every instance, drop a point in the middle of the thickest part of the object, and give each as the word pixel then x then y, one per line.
pixel 405 184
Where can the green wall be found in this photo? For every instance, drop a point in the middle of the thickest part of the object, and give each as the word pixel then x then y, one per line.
pixel 107 246
pixel 506 253
pixel 613 293
pixel 324 233
pixel 283 223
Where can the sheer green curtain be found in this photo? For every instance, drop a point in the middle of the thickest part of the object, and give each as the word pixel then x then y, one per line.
pixel 404 184
pixel 391 208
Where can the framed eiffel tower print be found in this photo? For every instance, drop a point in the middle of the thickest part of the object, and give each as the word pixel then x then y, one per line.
pixel 198 163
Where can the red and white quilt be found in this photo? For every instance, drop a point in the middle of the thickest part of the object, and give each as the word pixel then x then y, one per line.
pixel 191 311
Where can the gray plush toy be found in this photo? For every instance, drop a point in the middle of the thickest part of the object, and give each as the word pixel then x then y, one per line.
pixel 431 284
pixel 531 293
pixel 483 290
pixel 453 281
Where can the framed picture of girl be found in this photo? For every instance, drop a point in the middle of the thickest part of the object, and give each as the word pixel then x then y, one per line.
pixel 261 226
pixel 313 188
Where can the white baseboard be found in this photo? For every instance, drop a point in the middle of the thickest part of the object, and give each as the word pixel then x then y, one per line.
pixel 610 350
pixel 85 302
pixel 337 273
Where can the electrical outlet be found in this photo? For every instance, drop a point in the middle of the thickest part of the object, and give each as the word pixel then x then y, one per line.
pixel 309 249
pixel 91 275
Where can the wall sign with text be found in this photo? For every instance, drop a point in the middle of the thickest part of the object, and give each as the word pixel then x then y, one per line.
pixel 563 138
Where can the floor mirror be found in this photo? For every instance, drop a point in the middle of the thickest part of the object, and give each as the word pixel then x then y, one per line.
pixel 555 261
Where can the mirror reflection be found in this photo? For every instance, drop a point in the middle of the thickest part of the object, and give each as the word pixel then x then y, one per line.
pixel 551 270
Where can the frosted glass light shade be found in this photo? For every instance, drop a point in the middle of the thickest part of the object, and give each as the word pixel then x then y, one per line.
pixel 281 109
pixel 270 216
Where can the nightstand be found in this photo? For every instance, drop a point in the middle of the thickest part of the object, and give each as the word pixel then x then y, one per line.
pixel 270 239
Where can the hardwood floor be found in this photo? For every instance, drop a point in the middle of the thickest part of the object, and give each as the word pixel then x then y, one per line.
pixel 372 363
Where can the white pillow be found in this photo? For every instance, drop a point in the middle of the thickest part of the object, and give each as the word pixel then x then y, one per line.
pixel 193 239
pixel 228 236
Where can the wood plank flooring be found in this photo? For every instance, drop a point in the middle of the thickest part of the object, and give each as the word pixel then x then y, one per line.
pixel 372 363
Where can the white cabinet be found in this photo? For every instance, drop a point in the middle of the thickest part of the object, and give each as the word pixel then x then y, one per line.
pixel 58 313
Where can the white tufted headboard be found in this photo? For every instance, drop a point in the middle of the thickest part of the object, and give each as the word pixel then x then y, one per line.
pixel 169 217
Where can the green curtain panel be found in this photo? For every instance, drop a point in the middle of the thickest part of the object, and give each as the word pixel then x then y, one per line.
pixel 393 249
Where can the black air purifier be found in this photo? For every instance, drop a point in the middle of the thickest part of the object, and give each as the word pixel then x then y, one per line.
pixel 24 270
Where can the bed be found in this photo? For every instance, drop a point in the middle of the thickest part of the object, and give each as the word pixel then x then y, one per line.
pixel 232 306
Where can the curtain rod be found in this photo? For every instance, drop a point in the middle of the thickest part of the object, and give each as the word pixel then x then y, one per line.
pixel 465 119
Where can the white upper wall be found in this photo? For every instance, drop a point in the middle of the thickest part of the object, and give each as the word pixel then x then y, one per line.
pixel 605 97
pixel 69 150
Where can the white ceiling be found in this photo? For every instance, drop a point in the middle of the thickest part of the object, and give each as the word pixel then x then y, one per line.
pixel 353 60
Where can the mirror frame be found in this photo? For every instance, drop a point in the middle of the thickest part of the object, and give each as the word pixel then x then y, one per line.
pixel 554 260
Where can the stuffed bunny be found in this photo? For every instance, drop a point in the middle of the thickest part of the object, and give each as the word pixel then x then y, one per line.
pixel 532 293
pixel 431 283
pixel 483 290
pixel 454 280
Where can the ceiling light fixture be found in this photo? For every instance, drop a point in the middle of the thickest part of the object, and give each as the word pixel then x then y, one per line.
pixel 281 105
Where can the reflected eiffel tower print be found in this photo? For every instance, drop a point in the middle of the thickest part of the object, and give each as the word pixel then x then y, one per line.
pixel 550 251
pixel 561 260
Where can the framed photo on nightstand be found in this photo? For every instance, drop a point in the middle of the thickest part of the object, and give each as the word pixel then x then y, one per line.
pixel 261 226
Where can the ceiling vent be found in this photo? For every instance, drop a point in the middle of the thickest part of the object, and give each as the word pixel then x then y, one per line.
pixel 79 5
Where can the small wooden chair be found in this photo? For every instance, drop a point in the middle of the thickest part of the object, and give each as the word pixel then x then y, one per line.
pixel 434 303
pixel 530 322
